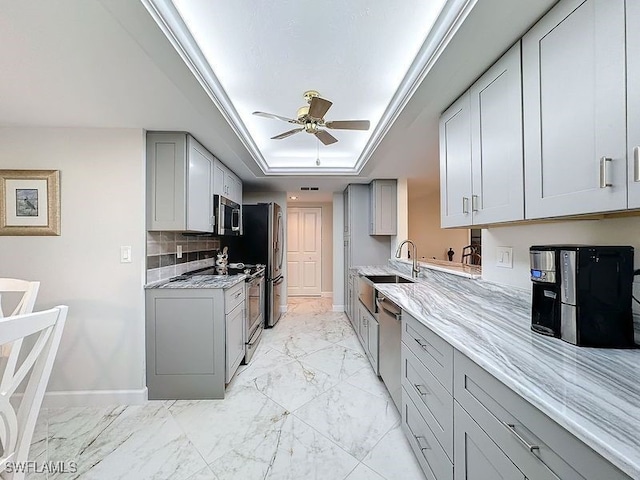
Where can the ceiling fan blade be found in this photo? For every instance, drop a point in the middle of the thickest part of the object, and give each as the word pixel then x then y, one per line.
pixel 349 124
pixel 325 137
pixel 319 107
pixel 287 134
pixel 277 117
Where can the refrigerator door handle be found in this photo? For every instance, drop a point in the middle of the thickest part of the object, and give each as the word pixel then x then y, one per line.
pixel 278 281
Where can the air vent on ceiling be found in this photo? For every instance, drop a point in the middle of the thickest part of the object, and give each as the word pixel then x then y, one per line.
pixel 309 188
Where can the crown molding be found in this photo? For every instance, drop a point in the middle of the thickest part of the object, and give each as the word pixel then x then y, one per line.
pixel 172 25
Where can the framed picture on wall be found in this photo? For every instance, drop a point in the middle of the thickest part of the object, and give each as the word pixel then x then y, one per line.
pixel 29 202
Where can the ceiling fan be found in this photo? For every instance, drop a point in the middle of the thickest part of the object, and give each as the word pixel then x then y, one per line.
pixel 311 120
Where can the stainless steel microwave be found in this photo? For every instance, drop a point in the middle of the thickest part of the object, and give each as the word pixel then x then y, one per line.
pixel 227 216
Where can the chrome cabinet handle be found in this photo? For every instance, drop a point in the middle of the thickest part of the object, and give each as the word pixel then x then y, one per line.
pixel 421 439
pixel 604 182
pixel 422 390
pixel 423 345
pixel 636 164
pixel 474 203
pixel 465 205
pixel 512 428
pixel 238 294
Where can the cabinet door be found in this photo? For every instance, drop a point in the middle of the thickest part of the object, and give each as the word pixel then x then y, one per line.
pixel 573 64
pixel 166 181
pixel 218 178
pixel 372 342
pixel 455 164
pixel 476 457
pixel 346 210
pixel 384 211
pixel 633 102
pixel 496 136
pixel 199 194
pixel 234 322
pixel 347 279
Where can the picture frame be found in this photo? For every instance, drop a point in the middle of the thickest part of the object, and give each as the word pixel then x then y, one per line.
pixel 29 202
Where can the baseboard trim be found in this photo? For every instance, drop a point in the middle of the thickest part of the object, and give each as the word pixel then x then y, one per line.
pixel 338 308
pixel 95 398
pixel 283 308
pixel 326 294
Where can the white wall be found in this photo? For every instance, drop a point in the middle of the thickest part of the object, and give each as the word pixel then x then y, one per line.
pixel 326 240
pixel 618 231
pixel 281 199
pixel 338 252
pixel 424 228
pixel 102 181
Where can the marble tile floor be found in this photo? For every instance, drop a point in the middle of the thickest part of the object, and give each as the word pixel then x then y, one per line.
pixel 307 407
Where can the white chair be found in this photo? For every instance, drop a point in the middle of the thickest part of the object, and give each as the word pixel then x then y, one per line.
pixel 29 291
pixel 16 427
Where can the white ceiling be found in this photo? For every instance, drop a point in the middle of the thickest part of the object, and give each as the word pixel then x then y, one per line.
pixel 267 54
pixel 106 63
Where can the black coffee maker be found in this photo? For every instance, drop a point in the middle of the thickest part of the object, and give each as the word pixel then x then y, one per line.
pixel 582 294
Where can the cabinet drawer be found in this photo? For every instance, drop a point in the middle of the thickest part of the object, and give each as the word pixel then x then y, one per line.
pixel 538 446
pixel 431 350
pixel 432 458
pixel 434 403
pixel 233 297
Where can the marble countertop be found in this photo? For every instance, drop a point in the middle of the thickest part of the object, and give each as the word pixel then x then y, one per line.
pixel 593 393
pixel 200 281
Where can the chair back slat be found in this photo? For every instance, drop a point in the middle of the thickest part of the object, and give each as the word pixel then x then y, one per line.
pixel 16 428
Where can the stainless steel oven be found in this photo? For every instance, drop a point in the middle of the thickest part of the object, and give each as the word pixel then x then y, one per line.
pixel 255 313
pixel 227 216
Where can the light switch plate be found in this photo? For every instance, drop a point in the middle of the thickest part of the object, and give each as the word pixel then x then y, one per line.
pixel 504 257
pixel 125 254
pixel 178 251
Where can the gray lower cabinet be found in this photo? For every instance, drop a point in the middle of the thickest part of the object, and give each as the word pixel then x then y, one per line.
pixel 431 457
pixel 189 339
pixel 477 456
pixel 538 446
pixel 367 329
pixel 459 418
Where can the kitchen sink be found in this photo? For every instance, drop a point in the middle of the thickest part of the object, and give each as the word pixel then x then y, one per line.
pixel 387 279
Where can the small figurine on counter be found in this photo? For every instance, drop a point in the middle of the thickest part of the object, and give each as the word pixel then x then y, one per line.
pixel 450 254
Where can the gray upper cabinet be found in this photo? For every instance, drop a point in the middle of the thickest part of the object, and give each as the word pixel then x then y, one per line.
pixel 384 210
pixel 179 193
pixel 573 63
pixel 633 103
pixel 496 142
pixel 481 169
pixel 226 183
pixel 455 164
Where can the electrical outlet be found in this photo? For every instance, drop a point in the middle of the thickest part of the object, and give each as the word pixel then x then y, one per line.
pixel 504 257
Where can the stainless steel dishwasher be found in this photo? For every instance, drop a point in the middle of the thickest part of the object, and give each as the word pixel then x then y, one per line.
pixel 390 366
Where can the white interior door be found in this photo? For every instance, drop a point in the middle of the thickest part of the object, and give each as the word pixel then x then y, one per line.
pixel 304 245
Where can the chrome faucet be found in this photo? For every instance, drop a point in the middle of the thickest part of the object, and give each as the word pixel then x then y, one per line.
pixel 415 270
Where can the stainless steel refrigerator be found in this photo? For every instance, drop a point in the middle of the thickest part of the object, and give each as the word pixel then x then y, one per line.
pixel 262 241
